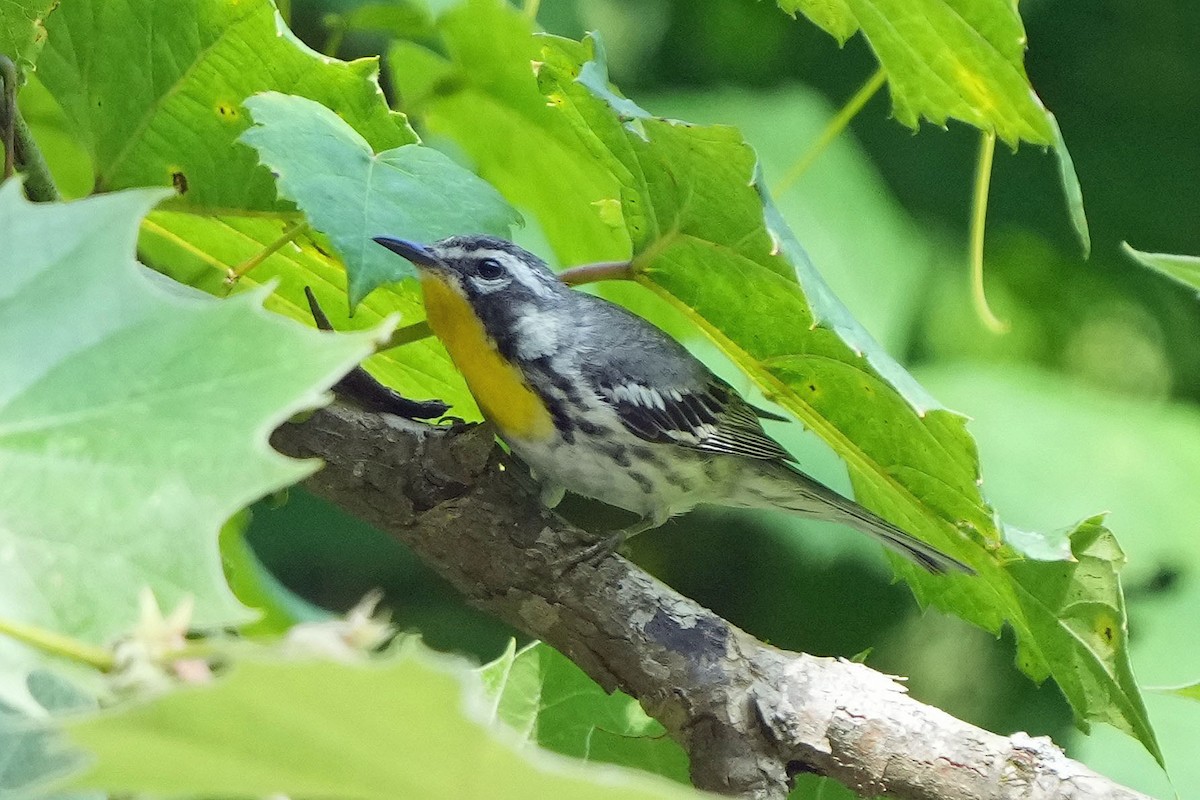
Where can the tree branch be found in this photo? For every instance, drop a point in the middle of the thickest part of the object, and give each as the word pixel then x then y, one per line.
pixel 750 716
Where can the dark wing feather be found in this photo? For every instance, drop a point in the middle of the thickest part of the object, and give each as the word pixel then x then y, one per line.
pixel 660 391
pixel 710 417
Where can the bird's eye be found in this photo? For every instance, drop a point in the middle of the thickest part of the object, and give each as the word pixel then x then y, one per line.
pixel 490 269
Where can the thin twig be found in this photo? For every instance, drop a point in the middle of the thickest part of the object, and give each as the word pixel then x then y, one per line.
pixel 600 271
pixel 832 130
pixel 290 235
pixel 58 645
pixel 8 112
pixel 21 151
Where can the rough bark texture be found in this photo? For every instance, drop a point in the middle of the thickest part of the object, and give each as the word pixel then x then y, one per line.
pixel 749 715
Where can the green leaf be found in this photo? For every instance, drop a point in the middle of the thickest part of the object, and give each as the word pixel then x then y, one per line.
pixel 706 237
pixel 352 194
pixel 841 209
pixel 155 91
pixel 946 58
pixel 200 250
pixel 1071 188
pixel 22 28
pixel 1083 598
pixel 403 727
pixel 133 422
pixel 1183 269
pixel 546 698
pixel 961 59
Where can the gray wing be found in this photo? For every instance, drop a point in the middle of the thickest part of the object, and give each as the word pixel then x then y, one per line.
pixel 662 393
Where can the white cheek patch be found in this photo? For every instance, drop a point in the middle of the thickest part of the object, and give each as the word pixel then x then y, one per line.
pixel 487 287
pixel 537 333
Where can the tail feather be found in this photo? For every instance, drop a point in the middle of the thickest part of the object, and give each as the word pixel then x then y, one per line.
pixel 787 488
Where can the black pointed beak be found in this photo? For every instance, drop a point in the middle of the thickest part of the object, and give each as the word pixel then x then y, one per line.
pixel 418 254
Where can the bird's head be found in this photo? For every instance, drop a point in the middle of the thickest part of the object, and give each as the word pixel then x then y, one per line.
pixel 483 270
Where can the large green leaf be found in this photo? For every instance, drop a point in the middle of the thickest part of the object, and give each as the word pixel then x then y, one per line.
pixel 1184 269
pixel 155 91
pixel 542 694
pixel 705 235
pixel 400 728
pixel 133 422
pixel 352 194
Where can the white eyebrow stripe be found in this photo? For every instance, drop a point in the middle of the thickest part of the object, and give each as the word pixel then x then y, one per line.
pixel 519 270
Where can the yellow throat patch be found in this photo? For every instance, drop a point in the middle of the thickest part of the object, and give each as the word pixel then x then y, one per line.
pixel 499 388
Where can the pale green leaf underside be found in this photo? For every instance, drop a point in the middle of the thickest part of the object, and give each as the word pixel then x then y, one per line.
pixel 155 90
pixel 404 727
pixel 351 194
pixel 1183 269
pixel 133 422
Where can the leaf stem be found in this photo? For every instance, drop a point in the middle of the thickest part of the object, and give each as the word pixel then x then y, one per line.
pixel 531 8
pixel 407 335
pixel 600 271
pixel 20 150
pixel 8 113
pixel 57 644
pixel 832 130
pixel 235 274
pixel 983 180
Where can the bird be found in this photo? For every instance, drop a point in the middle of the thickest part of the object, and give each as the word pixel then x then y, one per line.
pixel 598 401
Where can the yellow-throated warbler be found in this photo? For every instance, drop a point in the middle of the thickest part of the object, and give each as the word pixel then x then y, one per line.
pixel 599 401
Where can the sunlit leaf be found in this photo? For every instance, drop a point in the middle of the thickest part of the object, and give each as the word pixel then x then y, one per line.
pixel 155 91
pixel 945 58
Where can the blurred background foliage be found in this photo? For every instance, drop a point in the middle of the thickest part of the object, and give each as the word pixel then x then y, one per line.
pixel 1088 404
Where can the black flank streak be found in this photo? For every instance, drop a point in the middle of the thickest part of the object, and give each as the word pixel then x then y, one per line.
pixel 642 481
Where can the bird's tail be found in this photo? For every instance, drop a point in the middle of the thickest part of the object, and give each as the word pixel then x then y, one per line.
pixel 779 485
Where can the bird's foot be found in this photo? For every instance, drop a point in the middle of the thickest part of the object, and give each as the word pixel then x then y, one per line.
pixel 594 552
